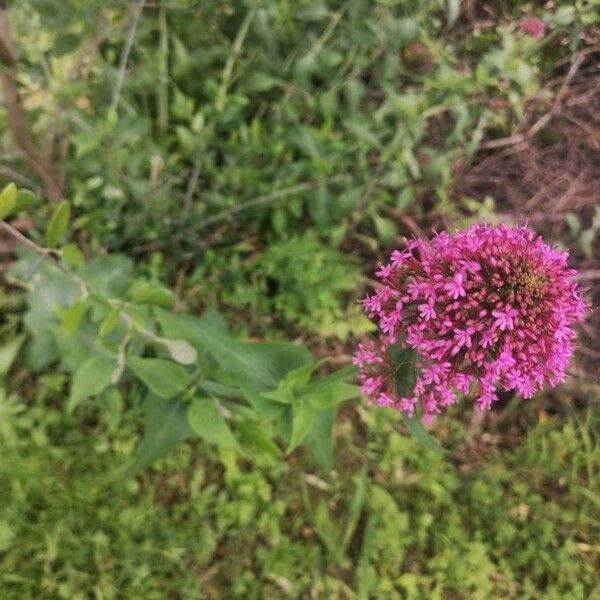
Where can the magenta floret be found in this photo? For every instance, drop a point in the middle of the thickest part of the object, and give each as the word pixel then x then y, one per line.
pixel 485 308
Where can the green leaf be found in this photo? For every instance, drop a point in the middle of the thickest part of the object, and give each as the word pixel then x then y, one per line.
pixel 293 382
pixel 259 366
pixel 9 352
pixel 25 200
pixel 356 505
pixel 59 223
pixel 263 406
pixel 110 275
pixel 206 420
pixel 162 377
pixel 185 326
pixel 302 421
pixel 52 292
pixel 110 322
pixel 70 318
pixel 165 426
pixel 40 351
pixel 113 402
pixel 73 256
pixel 92 377
pixel 257 438
pixel 320 438
pixel 417 429
pixel 330 390
pixel 405 372
pixel 143 292
pixel 8 199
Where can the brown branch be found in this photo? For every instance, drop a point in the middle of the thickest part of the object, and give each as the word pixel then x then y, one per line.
pixel 16 114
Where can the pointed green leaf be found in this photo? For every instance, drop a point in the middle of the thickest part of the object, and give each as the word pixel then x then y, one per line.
pixel 330 390
pixel 8 199
pixel 113 402
pixel 91 378
pixel 162 377
pixel 417 429
pixel 110 322
pixel 263 406
pixel 73 256
pixel 206 420
pixel 25 200
pixel 144 292
pixel 256 437
pixel 302 421
pixel 320 438
pixel 70 318
pixel 58 225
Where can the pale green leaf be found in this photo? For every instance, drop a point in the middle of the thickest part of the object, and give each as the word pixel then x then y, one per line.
pixel 180 351
pixel 8 199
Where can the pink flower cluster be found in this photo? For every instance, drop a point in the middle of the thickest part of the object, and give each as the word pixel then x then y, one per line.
pixel 533 26
pixel 486 307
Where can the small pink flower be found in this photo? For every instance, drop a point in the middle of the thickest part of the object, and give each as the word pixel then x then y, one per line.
pixel 463 337
pixel 426 311
pixel 384 271
pixel 533 26
pixel 505 318
pixel 456 288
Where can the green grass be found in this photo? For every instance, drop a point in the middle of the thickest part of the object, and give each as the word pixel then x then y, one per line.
pixel 392 521
pixel 314 132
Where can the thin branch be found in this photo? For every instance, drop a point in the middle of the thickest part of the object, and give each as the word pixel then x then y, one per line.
pixel 135 19
pixel 13 175
pixel 47 254
pixel 16 114
pixel 54 256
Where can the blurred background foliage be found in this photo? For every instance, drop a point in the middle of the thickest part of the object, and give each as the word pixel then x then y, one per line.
pixel 260 157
